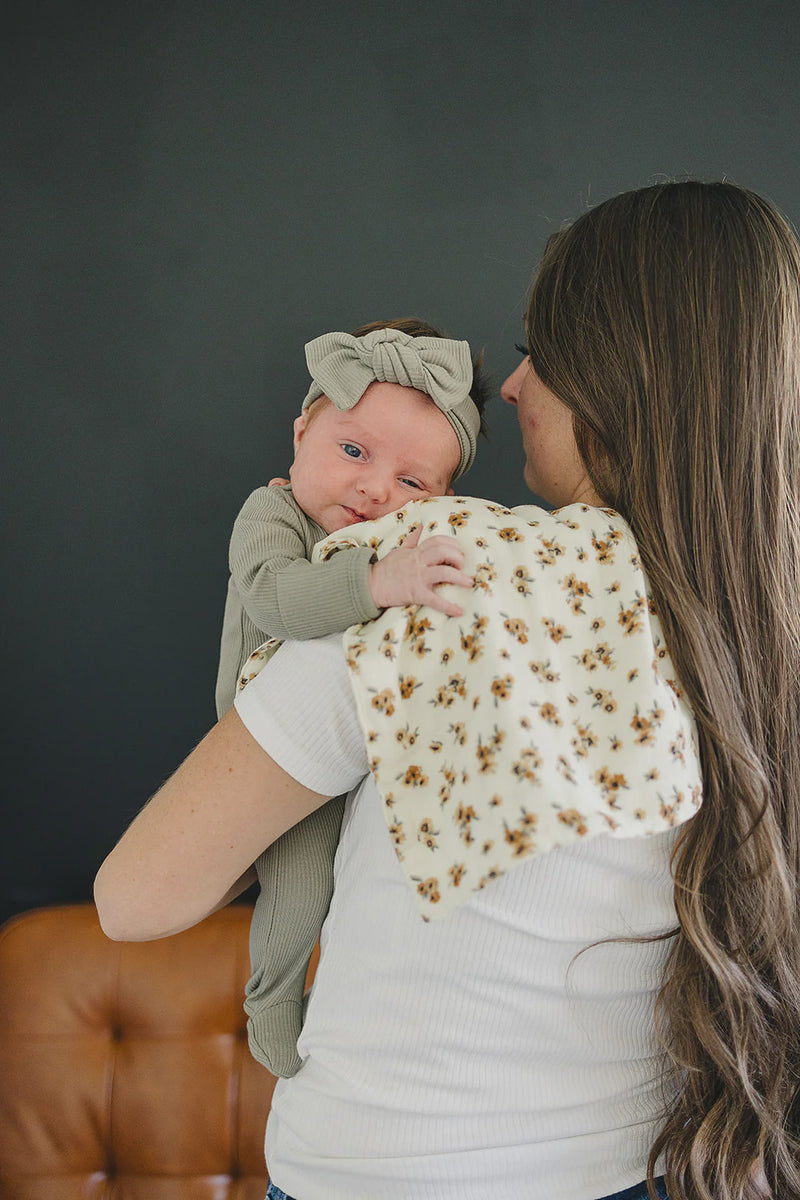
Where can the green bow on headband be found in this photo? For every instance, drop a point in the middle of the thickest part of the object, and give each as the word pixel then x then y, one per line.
pixel 343 367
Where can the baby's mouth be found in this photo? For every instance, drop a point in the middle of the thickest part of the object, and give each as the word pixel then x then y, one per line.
pixel 354 515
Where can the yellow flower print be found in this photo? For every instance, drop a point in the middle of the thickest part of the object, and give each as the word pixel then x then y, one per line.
pixel 645 727
pixel 388 643
pixel 384 701
pixel 457 873
pixel 501 687
pixel 429 888
pixel 565 769
pixel 544 672
pixel 472 645
pixel 416 629
pixel 631 618
pixel 407 685
pixel 678 747
pixel 554 632
pixel 457 684
pixel 610 785
pixel 406 737
pixel 548 712
pixel 434 747
pixel 577 591
pixel 484 575
pixel 465 815
pixel 510 534
pixel 603 699
pixel 517 628
pixel 604 547
pixel 485 753
pixel 427 835
pixel 396 833
pixel 527 765
pixel 549 551
pixel 520 841
pixel 459 732
pixel 572 818
pixel 445 656
pixel 414 776
pixel 585 741
pixel 520 579
pixel 669 810
pixel 457 519
pixel 496 801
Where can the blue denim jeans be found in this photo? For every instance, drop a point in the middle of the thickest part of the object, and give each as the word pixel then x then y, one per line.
pixel 639 1192
pixel 275 1193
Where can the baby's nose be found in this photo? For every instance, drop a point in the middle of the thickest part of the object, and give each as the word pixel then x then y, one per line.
pixel 376 486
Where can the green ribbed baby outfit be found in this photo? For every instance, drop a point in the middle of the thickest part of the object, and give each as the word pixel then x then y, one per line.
pixel 274 591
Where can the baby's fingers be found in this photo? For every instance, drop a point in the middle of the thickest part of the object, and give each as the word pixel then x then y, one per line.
pixel 442 549
pixel 435 600
pixel 444 574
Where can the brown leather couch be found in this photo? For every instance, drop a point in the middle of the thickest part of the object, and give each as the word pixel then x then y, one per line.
pixel 124 1068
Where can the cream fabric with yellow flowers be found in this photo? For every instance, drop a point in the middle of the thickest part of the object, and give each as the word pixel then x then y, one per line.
pixel 548 713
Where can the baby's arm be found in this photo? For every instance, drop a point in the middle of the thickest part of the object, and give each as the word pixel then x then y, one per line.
pixel 281 591
pixel 410 574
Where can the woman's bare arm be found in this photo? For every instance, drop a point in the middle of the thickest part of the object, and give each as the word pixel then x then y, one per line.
pixel 191 846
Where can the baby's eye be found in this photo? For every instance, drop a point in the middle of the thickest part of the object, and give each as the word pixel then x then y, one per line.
pixel 351 450
pixel 413 483
pixel 522 349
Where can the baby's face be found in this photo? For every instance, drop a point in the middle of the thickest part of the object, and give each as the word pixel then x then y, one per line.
pixel 392 447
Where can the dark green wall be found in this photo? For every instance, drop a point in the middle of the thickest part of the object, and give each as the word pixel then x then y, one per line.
pixel 190 191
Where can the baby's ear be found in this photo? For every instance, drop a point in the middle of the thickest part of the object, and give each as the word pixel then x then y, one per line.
pixel 300 424
pixel 449 492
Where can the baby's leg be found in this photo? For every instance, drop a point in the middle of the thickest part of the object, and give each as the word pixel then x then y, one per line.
pixel 296 879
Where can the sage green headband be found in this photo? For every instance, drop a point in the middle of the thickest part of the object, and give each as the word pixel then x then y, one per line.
pixel 343 367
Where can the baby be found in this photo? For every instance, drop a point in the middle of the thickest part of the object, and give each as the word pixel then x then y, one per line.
pixel 392 416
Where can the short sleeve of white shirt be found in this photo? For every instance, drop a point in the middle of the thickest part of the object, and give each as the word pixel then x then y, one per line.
pixel 300 709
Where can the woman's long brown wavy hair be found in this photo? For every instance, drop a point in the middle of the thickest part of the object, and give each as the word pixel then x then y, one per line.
pixel 668 321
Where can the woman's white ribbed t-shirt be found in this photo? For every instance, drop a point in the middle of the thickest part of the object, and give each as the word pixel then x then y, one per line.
pixel 480 1055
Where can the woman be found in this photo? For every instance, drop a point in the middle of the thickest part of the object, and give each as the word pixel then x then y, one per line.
pixel 617 1007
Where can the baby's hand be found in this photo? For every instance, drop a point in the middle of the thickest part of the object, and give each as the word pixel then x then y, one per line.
pixel 410 574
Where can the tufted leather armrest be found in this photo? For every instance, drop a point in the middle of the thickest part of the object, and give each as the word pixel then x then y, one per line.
pixel 124 1068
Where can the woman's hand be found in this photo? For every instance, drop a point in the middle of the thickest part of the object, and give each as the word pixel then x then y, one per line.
pixel 411 573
